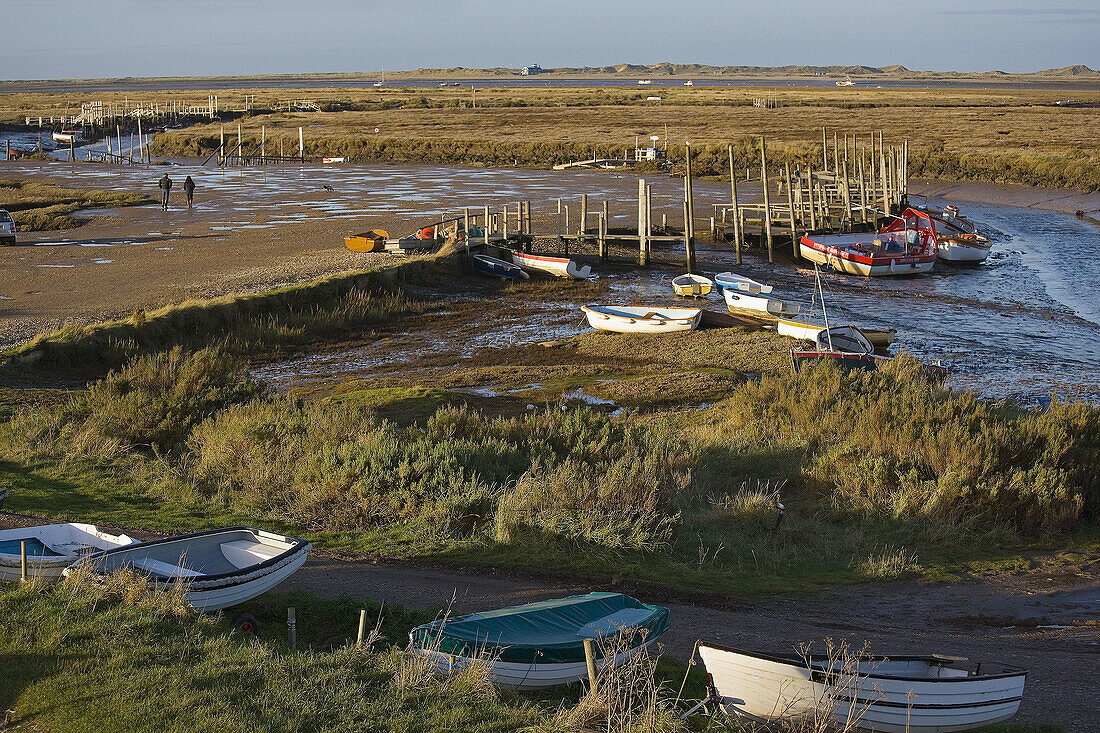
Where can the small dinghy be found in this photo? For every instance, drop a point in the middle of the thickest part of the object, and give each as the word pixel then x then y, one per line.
pixel 556 266
pixel 732 280
pixel 692 286
pixel 372 241
pixel 890 694
pixel 52 548
pixel 493 267
pixel 740 300
pixel 845 339
pixel 219 567
pixel 642 319
pixel 541 644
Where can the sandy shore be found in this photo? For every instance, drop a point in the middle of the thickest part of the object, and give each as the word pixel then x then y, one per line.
pixel 143 257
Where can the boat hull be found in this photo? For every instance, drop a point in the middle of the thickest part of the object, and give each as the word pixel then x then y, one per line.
pixel 52 548
pixel 526 676
pixel 843 261
pixel 956 251
pixel 803 330
pixel 656 320
pixel 895 695
pixel 217 568
pixel 741 300
pixel 493 267
pixel 692 286
pixel 556 266
pixel 739 282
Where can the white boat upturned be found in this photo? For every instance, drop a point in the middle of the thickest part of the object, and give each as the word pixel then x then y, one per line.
pixel 741 300
pixel 740 282
pixel 219 568
pixel 917 694
pixel 556 266
pixel 52 548
pixel 642 319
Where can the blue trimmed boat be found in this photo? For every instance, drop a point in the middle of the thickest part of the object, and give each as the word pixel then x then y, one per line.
pixel 541 644
pixel 493 267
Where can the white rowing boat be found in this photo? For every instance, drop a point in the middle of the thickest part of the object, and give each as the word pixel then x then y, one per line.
pixel 556 266
pixel 642 319
pixel 804 330
pixel 741 300
pixel 926 694
pixel 219 568
pixel 52 548
pixel 845 339
pixel 692 286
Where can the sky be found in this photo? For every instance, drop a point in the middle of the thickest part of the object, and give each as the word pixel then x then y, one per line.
pixel 58 39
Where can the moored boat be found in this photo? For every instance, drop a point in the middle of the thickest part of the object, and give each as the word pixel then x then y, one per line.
pixel 880 338
pixel 556 266
pixel 739 282
pixel 542 644
pixel 902 694
pixel 52 548
pixel 958 237
pixel 642 319
pixel 846 339
pixel 804 330
pixel 691 285
pixel 907 246
pixel 218 568
pixel 493 267
pixel 740 300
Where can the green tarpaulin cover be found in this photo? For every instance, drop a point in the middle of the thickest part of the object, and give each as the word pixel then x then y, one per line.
pixel 546 632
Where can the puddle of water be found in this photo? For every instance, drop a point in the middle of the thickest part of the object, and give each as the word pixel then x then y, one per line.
pixel 579 394
pixel 103 262
pixel 60 266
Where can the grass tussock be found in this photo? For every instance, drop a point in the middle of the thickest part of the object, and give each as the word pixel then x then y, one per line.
pixel 894 443
pixel 45 207
pixel 287 318
pixel 827 476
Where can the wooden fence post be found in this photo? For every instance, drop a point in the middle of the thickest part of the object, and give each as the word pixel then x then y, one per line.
pixel 767 207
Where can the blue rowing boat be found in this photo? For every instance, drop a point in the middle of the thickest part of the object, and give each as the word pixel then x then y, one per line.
pixel 493 267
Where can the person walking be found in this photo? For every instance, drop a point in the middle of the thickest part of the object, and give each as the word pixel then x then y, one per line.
pixel 165 186
pixel 189 190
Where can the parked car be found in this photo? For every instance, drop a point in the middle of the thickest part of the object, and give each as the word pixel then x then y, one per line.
pixel 7 228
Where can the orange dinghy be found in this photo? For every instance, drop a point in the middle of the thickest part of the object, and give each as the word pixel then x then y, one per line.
pixel 371 241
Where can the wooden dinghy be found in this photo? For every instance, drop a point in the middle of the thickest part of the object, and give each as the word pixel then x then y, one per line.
pixel 219 567
pixel 372 241
pixel 642 319
pixel 556 266
pixel 738 300
pixel 52 548
pixel 541 644
pixel 493 267
pixel 905 694
pixel 803 330
pixel 692 286
pixel 739 282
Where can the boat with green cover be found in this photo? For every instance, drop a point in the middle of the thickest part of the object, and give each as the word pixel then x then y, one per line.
pixel 542 644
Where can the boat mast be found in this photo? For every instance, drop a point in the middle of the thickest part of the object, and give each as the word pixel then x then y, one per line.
pixel 825 313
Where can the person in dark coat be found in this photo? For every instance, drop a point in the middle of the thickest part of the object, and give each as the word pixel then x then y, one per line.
pixel 189 190
pixel 165 186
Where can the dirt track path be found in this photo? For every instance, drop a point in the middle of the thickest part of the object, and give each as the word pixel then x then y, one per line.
pixel 995 619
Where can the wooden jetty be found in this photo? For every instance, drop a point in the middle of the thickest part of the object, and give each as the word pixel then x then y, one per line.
pixel 864 183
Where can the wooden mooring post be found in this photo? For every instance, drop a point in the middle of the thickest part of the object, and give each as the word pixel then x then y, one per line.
pixel 689 213
pixel 736 218
pixel 767 207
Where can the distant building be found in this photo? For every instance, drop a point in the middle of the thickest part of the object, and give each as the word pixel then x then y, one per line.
pixel 531 70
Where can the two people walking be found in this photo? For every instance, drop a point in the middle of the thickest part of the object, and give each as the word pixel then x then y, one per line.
pixel 165 184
